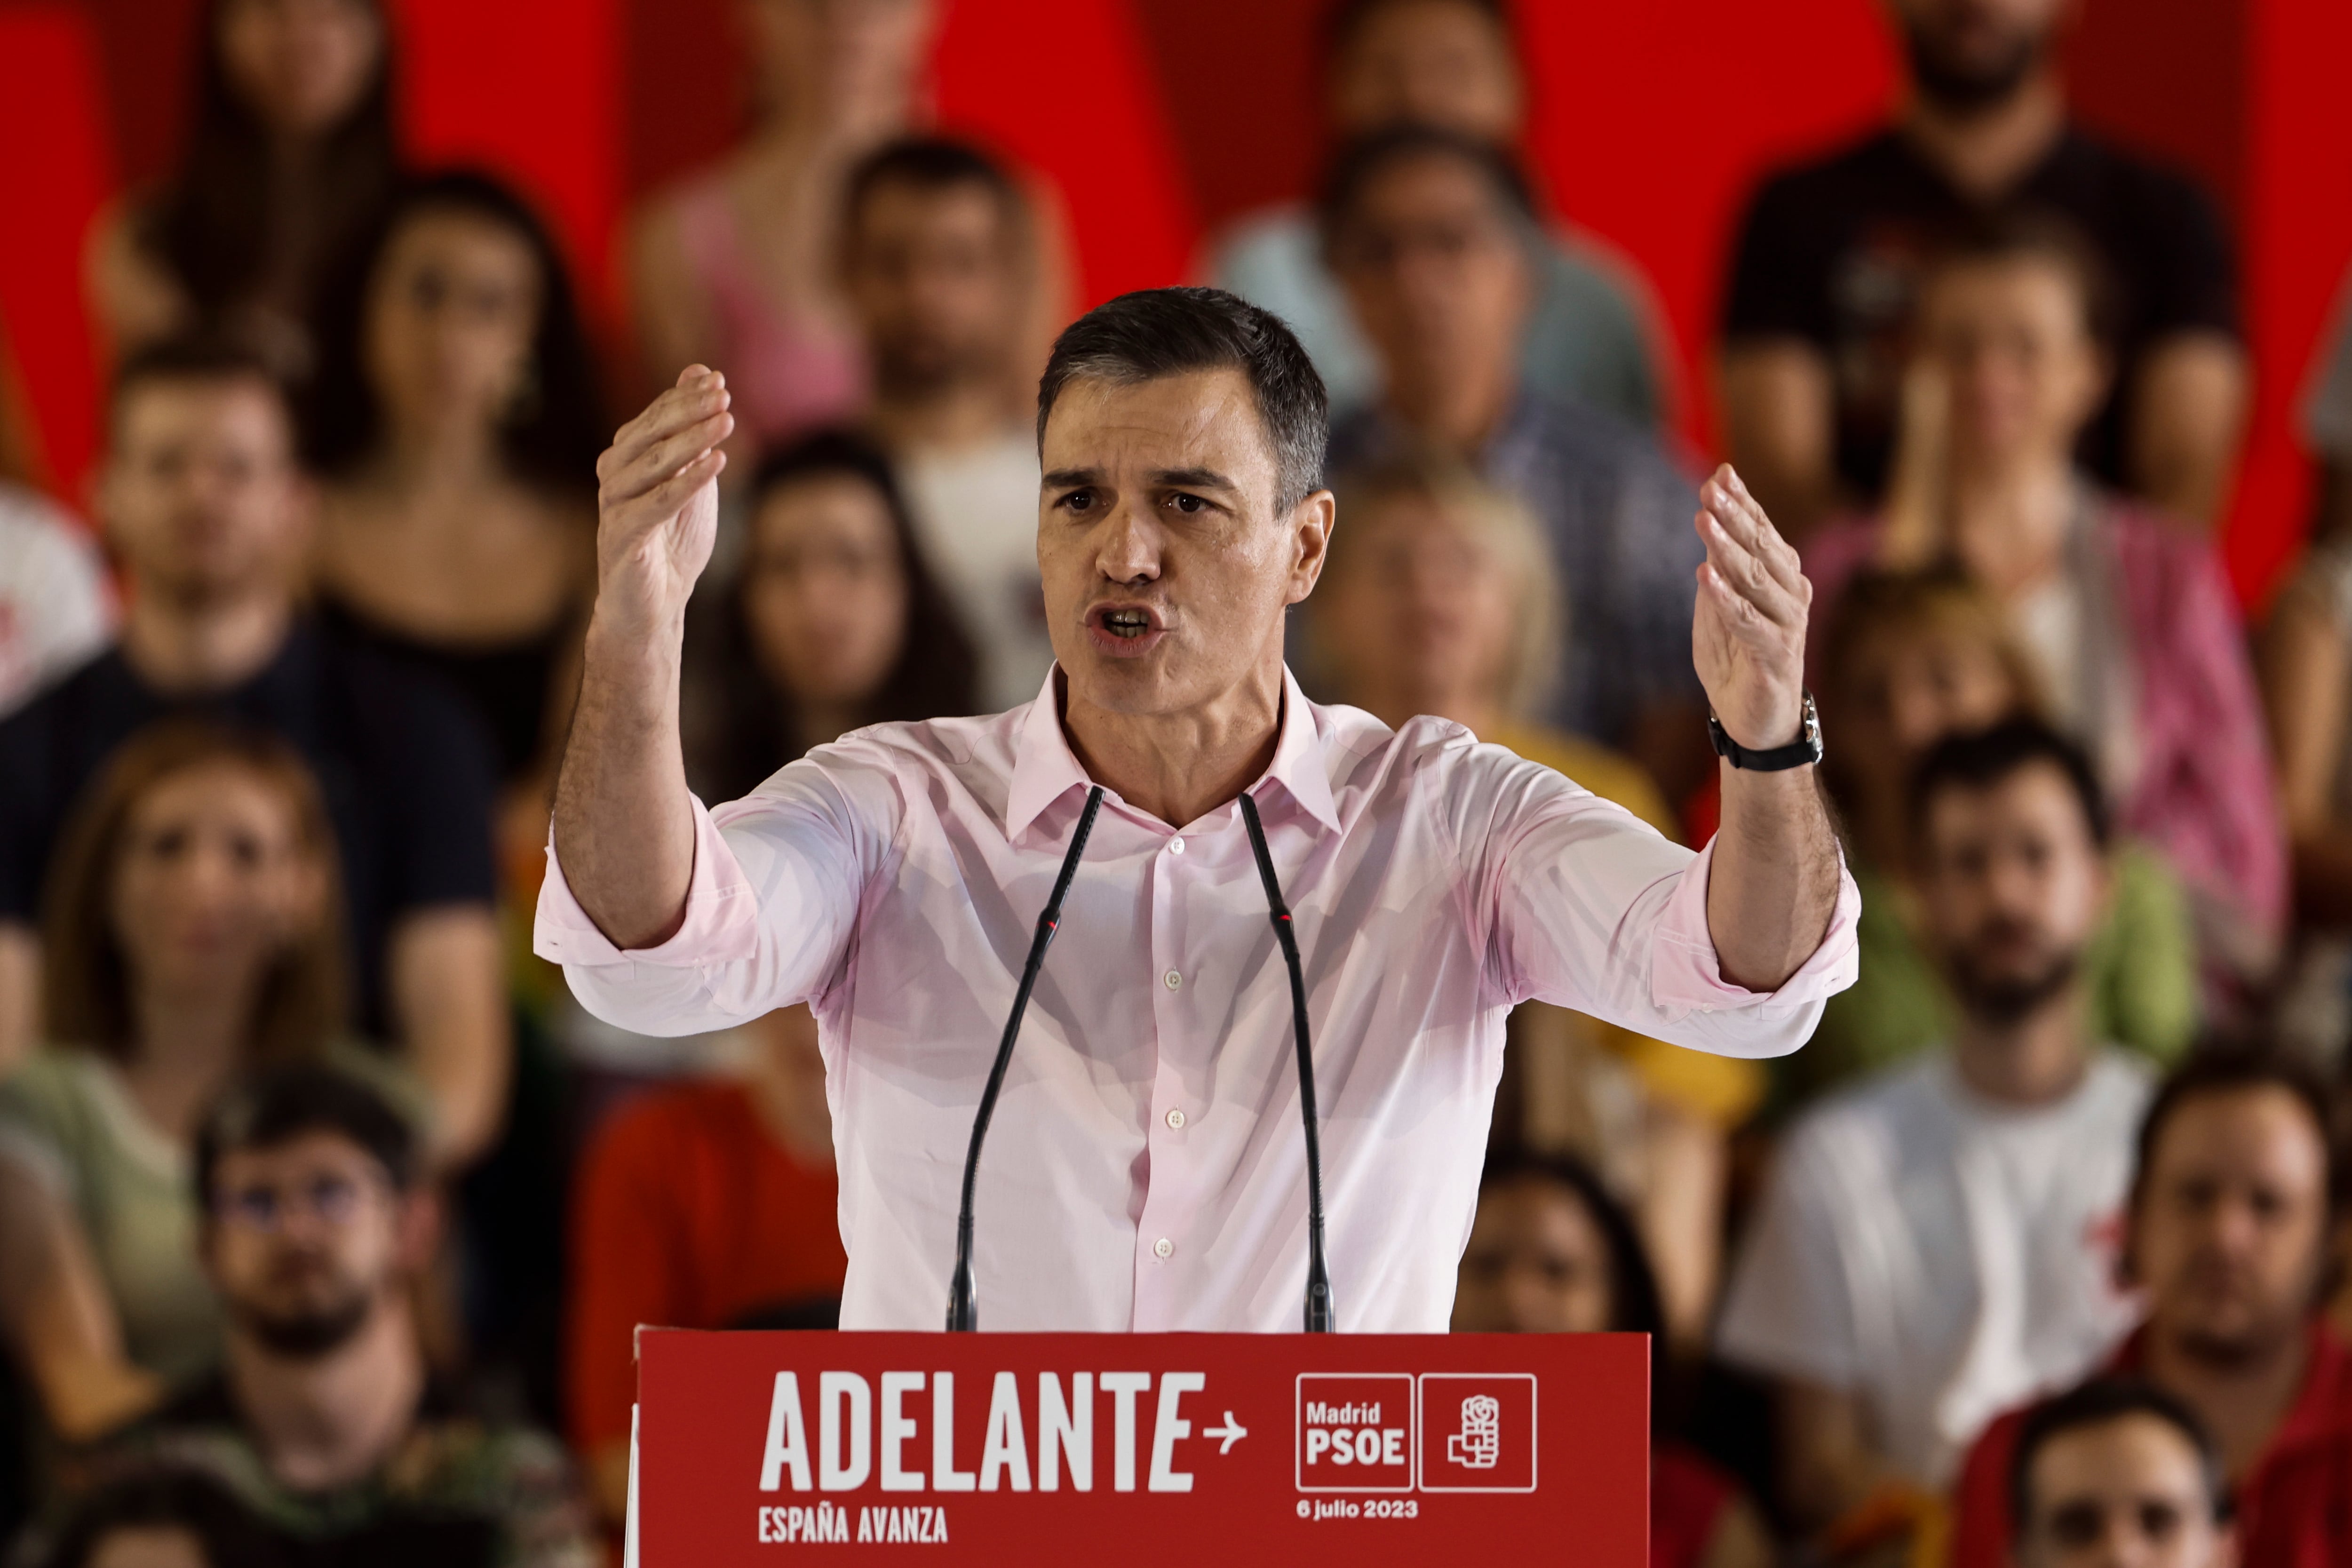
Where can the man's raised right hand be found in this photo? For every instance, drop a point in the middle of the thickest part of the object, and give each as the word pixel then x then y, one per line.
pixel 657 506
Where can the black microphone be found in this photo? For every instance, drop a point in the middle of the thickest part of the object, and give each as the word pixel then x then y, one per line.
pixel 963 1309
pixel 1318 1283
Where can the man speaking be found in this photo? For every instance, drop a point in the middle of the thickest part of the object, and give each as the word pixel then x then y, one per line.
pixel 1146 1167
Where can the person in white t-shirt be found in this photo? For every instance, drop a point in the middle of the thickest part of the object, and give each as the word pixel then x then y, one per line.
pixel 54 607
pixel 1939 1243
pixel 937 254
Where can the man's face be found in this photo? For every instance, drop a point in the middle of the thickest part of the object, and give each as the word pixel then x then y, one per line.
pixel 200 495
pixel 1445 63
pixel 1166 567
pixel 305 1239
pixel 2230 1230
pixel 934 276
pixel 2013 887
pixel 1536 1263
pixel 1972 53
pixel 2125 1493
pixel 1436 272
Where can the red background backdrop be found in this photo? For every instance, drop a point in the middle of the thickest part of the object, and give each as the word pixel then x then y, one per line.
pixel 1159 119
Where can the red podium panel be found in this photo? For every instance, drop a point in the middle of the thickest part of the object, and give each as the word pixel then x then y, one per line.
pixel 1142 1448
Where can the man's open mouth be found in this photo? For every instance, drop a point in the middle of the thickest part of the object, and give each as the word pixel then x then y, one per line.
pixel 1126 622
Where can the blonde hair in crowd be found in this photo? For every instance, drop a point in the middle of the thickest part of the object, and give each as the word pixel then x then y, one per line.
pixel 1499 524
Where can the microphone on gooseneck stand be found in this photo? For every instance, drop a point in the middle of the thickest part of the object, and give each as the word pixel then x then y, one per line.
pixel 963 1311
pixel 1318 1283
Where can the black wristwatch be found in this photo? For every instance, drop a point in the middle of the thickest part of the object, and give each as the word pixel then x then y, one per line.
pixel 1805 749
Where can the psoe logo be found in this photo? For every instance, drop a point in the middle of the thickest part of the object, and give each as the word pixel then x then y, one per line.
pixel 1479 1445
pixel 1477 1431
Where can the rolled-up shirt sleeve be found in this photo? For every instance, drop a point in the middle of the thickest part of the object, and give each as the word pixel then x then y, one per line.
pixel 1589 907
pixel 770 911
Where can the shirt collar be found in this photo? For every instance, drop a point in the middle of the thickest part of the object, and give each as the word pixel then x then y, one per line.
pixel 1044 768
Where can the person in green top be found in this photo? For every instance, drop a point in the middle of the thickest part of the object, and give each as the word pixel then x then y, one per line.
pixel 1908 658
pixel 193 929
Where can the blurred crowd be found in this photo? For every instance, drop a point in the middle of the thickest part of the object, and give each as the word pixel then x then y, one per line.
pixel 326 1215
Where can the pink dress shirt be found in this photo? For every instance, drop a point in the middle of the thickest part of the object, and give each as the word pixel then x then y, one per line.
pixel 1145 1168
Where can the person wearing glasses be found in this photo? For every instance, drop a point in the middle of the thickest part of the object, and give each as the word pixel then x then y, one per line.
pixel 1148 1167
pixel 323 1420
pixel 194 927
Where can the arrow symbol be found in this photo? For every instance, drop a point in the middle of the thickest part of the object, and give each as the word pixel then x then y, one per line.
pixel 1231 1432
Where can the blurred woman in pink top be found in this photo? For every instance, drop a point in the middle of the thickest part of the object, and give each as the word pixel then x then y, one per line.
pixel 736 267
pixel 2127 613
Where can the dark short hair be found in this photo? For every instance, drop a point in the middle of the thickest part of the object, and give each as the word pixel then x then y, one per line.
pixel 1350 17
pixel 930 163
pixel 2034 233
pixel 1156 332
pixel 1980 759
pixel 166 1498
pixel 2096 1403
pixel 274 1106
pixel 1635 1305
pixel 1368 157
pixel 199 358
pixel 2235 1067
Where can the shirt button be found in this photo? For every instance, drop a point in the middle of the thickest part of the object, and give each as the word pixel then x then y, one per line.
pixel 1176 845
pixel 1176 1120
pixel 1163 1247
pixel 1171 980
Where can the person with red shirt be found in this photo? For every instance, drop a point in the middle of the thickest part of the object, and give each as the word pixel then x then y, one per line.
pixel 2227 1236
pixel 704 1205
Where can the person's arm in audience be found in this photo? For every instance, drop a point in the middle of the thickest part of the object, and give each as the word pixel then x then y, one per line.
pixel 20 992
pixel 2306 665
pixel 671 316
pixel 1739 1539
pixel 133 301
pixel 1780 427
pixel 2188 410
pixel 1827 1467
pixel 59 1318
pixel 449 1003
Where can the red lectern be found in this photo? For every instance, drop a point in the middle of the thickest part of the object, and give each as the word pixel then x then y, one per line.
pixel 1141 1449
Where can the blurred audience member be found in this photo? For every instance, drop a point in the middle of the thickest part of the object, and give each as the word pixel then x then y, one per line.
pixel 161 1519
pixel 291 155
pixel 1441 600
pixel 1451 64
pixel 2228 1244
pixel 1550 1252
pixel 938 259
pixel 456 428
pixel 740 268
pixel 1828 266
pixel 1427 230
pixel 210 519
pixel 1909 657
pixel 835 621
pixel 193 927
pixel 1939 1242
pixel 56 609
pixel 2306 660
pixel 708 1205
pixel 2130 621
pixel 324 1421
pixel 2119 1475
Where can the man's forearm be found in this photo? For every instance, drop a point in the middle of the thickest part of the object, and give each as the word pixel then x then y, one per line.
pixel 624 820
pixel 1773 888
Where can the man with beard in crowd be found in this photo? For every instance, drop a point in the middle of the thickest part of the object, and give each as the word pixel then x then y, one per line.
pixel 1939 1243
pixel 1820 294
pixel 324 1421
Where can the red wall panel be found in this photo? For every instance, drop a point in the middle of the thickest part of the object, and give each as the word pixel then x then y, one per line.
pixel 54 179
